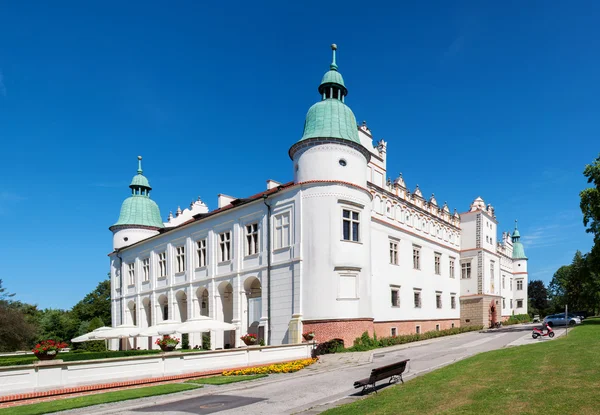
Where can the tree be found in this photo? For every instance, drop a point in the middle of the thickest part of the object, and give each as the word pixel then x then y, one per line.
pixel 15 332
pixel 95 304
pixel 4 295
pixel 590 207
pixel 539 296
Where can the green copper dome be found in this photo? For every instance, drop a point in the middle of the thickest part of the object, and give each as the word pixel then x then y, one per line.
pixel 331 117
pixel 332 77
pixel 139 209
pixel 518 250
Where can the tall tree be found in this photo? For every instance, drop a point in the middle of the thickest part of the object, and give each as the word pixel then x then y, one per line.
pixel 95 304
pixel 5 295
pixel 16 333
pixel 538 296
pixel 590 207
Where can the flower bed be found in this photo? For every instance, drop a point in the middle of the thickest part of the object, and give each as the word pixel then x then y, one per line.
pixel 289 367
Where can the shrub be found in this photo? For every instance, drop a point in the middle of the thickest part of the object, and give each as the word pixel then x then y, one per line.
pixel 330 346
pixel 364 342
pixel 517 319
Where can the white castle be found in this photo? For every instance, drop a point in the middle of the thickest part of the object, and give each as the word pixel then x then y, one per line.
pixel 340 250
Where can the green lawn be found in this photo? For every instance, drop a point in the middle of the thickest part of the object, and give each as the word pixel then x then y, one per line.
pixel 561 376
pixel 83 401
pixel 224 380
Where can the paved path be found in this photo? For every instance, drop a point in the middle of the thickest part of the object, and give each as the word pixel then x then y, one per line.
pixel 324 384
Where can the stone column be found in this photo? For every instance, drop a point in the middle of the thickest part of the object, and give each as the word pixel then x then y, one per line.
pixel 237 310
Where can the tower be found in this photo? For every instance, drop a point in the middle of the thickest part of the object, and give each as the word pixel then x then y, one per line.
pixel 330 167
pixel 140 216
pixel 520 273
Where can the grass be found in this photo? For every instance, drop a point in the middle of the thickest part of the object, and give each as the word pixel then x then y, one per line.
pixel 89 400
pixel 224 380
pixel 561 376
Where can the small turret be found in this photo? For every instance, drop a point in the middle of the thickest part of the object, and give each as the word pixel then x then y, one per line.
pixel 140 216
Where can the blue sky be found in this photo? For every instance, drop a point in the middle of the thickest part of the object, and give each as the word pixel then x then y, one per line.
pixel 473 98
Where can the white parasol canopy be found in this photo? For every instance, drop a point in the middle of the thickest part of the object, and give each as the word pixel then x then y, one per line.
pixel 119 332
pixel 162 328
pixel 202 324
pixel 88 336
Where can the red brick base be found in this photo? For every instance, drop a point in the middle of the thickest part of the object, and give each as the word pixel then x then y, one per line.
pixel 347 329
pixel 350 329
pixel 384 329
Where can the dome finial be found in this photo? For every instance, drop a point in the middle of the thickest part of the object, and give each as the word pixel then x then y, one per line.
pixel 515 224
pixel 139 165
pixel 333 65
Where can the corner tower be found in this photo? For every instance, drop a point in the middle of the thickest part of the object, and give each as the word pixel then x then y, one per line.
pixel 520 273
pixel 140 215
pixel 330 168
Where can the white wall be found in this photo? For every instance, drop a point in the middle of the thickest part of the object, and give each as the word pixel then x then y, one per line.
pixel 56 375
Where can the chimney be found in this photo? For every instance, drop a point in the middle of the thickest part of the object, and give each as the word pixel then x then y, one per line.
pixel 271 184
pixel 224 200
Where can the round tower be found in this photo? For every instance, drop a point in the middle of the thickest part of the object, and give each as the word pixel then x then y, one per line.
pixel 140 215
pixel 330 166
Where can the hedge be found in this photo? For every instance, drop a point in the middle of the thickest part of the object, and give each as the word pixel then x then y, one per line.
pixel 517 319
pixel 74 356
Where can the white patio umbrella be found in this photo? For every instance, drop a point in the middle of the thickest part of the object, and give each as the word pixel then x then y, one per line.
pixel 120 332
pixel 87 337
pixel 162 328
pixel 202 324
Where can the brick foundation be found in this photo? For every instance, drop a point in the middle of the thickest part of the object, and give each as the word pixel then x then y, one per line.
pixel 384 329
pixel 476 310
pixel 345 329
pixel 350 329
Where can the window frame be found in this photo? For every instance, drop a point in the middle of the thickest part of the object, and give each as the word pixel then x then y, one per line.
pixel 452 267
pixel 394 245
pixel 131 273
pixel 351 222
pixel 180 259
pixel 281 240
pixel 519 285
pixel 395 289
pixel 162 264
pixel 417 299
pixel 252 239
pixel 225 246
pixel 437 263
pixel 438 300
pixel 201 253
pixel 146 269
pixel 453 301
pixel 519 301
pixel 416 257
pixel 466 270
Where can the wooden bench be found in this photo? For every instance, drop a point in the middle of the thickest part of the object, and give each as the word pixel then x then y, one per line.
pixel 393 371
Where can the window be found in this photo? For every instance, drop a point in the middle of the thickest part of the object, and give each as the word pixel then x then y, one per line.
pixel 452 267
pixel 395 297
pixel 225 246
pixel 418 329
pixel 492 270
pixel 162 264
pixel 503 303
pixel 503 285
pixel 350 225
pixel 201 253
pixel 519 285
pixel 393 253
pixel 417 297
pixel 452 325
pixel 437 261
pixel 453 302
pixel 282 230
pixel 437 327
pixel 511 303
pixel 180 257
pixel 347 287
pixel 416 257
pixel 519 303
pixel 131 273
pixel 146 269
pixel 252 239
pixel 465 270
pixel 511 284
pixel 393 331
pixel 438 300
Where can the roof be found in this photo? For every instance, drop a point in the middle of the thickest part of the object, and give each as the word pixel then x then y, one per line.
pixel 330 118
pixel 332 77
pixel 139 180
pixel 140 210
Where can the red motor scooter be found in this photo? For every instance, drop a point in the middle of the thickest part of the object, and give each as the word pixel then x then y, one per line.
pixel 540 333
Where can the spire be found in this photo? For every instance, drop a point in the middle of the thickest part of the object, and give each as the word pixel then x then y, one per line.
pixel 333 65
pixel 139 184
pixel 139 165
